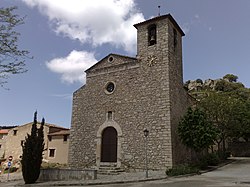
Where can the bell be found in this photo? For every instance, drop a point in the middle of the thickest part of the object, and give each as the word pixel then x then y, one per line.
pixel 152 39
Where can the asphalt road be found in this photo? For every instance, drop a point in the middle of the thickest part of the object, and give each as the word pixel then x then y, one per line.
pixel 234 174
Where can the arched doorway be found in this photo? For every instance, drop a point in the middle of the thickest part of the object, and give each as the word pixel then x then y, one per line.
pixel 109 145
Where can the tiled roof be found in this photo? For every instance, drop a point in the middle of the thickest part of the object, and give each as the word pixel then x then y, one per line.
pixel 61 132
pixel 46 124
pixel 4 131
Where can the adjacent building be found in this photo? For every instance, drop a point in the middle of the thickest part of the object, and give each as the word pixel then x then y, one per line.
pixel 3 135
pixel 56 145
pixel 125 95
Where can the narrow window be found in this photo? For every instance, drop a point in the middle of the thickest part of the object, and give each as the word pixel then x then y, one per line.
pixel 0 146
pixel 175 38
pixel 109 115
pixel 65 138
pixel 14 132
pixel 152 35
pixel 52 152
pixel 50 138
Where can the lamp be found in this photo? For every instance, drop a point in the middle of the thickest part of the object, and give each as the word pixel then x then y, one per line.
pixel 146 133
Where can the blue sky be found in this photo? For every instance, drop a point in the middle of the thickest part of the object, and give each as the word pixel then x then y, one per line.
pixel 65 37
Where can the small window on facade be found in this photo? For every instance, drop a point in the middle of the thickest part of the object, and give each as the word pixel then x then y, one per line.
pixel 175 38
pixel 0 146
pixel 52 152
pixel 109 115
pixel 65 138
pixel 110 59
pixel 152 35
pixel 14 132
pixel 110 87
pixel 50 138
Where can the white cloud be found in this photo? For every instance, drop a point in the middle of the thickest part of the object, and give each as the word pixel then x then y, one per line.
pixel 93 21
pixel 73 66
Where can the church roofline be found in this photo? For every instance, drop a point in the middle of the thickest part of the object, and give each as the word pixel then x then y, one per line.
pixel 111 54
pixel 160 18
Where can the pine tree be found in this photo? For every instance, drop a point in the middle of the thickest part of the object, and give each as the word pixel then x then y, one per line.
pixel 33 152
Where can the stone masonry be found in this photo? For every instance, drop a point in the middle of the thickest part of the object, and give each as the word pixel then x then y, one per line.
pixel 129 94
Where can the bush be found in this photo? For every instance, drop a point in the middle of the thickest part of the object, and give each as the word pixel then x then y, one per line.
pixel 12 170
pixel 224 155
pixel 182 170
pixel 211 159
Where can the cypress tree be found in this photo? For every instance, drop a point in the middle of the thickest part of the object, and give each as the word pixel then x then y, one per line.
pixel 33 152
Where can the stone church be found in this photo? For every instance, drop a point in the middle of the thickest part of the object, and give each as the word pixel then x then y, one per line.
pixel 124 95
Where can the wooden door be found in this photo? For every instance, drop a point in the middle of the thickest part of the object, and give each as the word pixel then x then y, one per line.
pixel 109 145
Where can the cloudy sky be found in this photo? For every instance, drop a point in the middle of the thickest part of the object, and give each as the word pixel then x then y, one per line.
pixel 66 37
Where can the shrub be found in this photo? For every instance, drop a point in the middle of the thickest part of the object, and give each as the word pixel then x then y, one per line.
pixel 182 170
pixel 199 81
pixel 12 169
pixel 224 155
pixel 211 159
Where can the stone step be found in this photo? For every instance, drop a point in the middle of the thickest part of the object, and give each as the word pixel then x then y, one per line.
pixel 108 164
pixel 110 170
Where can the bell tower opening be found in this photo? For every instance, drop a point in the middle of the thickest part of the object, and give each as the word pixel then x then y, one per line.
pixel 151 35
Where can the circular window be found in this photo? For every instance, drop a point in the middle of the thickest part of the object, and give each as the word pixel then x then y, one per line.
pixel 110 87
pixel 110 59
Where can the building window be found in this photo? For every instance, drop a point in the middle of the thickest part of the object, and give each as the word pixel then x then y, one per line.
pixel 109 88
pixel 152 35
pixel 52 152
pixel 110 59
pixel 14 132
pixel 110 115
pixel 65 138
pixel 50 138
pixel 0 146
pixel 175 38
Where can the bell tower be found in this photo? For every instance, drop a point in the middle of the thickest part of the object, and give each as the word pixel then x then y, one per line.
pixel 159 51
pixel 159 43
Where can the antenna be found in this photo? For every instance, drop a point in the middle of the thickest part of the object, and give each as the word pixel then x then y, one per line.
pixel 159 13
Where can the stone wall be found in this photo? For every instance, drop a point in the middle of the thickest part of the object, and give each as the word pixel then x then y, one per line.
pixel 66 174
pixel 179 98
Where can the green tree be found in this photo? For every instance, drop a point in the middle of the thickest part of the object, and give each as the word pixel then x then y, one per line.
pixel 196 131
pixel 226 86
pixel 241 128
pixel 225 112
pixel 227 105
pixel 230 78
pixel 12 58
pixel 33 148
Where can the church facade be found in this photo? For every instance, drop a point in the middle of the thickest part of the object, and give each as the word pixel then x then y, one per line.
pixel 125 95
